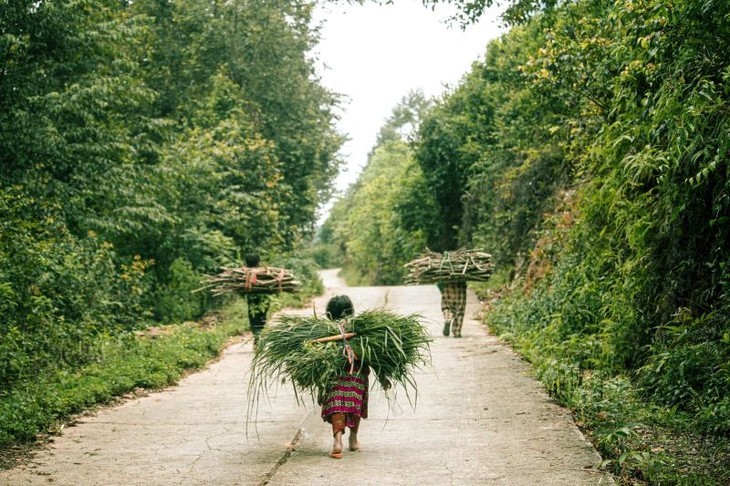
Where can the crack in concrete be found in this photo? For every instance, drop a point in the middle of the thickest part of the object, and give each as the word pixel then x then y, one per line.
pixel 280 463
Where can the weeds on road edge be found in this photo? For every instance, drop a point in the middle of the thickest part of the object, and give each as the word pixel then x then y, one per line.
pixel 126 364
pixel 641 443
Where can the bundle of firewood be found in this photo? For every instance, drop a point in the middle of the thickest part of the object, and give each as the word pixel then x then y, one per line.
pixel 457 265
pixel 262 280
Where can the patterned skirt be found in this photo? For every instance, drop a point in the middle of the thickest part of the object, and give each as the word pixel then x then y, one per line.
pixel 348 395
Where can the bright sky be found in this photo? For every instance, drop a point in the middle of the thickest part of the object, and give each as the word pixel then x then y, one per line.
pixel 376 54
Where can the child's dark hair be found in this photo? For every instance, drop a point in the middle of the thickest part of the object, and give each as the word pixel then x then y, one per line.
pixel 339 307
pixel 252 259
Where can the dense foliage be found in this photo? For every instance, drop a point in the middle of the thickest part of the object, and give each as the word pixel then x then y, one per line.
pixel 381 222
pixel 143 144
pixel 588 152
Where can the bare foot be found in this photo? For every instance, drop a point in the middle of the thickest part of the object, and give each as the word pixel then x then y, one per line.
pixel 354 444
pixel 337 446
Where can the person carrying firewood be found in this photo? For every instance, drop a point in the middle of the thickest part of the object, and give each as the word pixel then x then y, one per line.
pixel 453 306
pixel 450 271
pixel 257 303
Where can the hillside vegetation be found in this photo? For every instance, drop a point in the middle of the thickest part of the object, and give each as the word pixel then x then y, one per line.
pixel 588 152
pixel 142 145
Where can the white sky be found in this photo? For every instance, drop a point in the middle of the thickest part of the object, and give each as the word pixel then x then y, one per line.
pixel 376 54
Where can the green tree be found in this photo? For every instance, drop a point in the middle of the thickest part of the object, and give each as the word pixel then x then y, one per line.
pixel 151 141
pixel 376 243
pixel 378 225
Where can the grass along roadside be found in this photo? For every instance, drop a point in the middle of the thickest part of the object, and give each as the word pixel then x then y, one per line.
pixel 641 443
pixel 127 364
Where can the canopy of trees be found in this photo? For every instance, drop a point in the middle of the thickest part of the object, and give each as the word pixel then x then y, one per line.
pixel 142 144
pixel 384 218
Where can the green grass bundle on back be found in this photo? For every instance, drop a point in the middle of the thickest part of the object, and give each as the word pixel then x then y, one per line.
pixel 393 346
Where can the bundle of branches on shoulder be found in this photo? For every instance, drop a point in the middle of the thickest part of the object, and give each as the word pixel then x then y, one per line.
pixel 308 351
pixel 262 280
pixel 458 265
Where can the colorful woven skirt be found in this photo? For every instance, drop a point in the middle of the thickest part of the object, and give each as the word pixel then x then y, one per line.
pixel 348 395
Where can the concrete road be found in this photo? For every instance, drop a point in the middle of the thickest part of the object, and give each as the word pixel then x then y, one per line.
pixel 479 419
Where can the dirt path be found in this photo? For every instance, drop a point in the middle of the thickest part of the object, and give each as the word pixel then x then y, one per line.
pixel 479 420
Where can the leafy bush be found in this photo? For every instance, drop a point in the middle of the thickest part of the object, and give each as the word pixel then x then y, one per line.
pixel 689 368
pixel 176 300
pixel 61 292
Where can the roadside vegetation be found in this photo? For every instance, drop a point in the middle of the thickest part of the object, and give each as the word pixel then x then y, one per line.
pixel 588 152
pixel 144 144
pixel 119 365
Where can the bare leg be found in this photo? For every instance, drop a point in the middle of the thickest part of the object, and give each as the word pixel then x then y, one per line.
pixel 354 444
pixel 337 446
pixel 338 429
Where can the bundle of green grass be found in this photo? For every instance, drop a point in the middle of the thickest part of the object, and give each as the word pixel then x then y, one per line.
pixel 393 346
